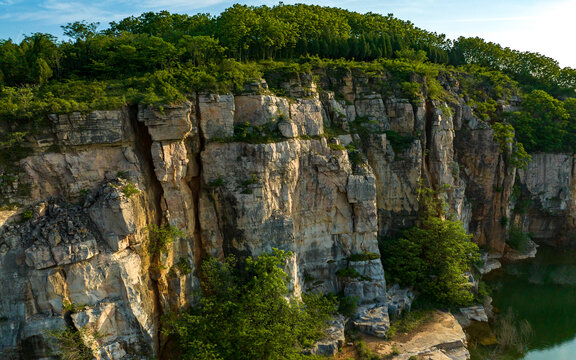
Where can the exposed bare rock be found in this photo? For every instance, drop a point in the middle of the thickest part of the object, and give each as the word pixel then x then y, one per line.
pixel 260 109
pixel 288 129
pixel 170 122
pixel 333 340
pixel 399 300
pixel 97 127
pixel 217 115
pixel 373 320
pixel 72 173
pixel 401 115
pixel 489 182
pixel 442 339
pixel 490 264
pixel 371 107
pixel 475 313
pixel 79 239
pixel 548 178
pixel 337 111
pixel 292 195
pixel 397 181
pixel 308 115
pixel 61 238
pixel 550 189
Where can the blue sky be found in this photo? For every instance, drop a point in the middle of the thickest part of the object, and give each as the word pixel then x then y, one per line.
pixel 542 26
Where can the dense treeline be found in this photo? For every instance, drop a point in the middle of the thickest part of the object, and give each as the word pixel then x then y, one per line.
pixel 161 57
pixel 154 41
pixel 531 70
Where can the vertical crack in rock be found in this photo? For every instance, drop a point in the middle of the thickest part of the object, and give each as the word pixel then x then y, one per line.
pixel 195 184
pixel 143 148
pixel 428 145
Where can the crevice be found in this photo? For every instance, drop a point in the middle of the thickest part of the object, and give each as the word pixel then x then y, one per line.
pixel 426 164
pixel 143 148
pixel 195 185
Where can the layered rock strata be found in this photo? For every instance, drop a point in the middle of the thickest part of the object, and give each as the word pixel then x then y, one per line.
pixel 76 252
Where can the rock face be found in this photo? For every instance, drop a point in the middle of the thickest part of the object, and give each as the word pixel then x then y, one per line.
pixel 546 200
pixel 442 338
pixel 373 320
pixel 77 250
pixel 333 340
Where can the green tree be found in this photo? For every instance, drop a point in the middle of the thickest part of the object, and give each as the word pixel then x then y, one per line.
pixel 433 256
pixel 80 30
pixel 244 313
pixel 201 49
pixel 514 152
pixel 542 122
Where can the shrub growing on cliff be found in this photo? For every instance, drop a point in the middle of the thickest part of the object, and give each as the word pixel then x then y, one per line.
pixel 161 237
pixel 433 256
pixel 75 344
pixel 244 313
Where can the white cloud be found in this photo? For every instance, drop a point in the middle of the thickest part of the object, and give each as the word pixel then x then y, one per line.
pixel 60 12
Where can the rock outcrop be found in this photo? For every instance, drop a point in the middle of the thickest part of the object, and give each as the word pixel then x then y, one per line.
pixel 76 252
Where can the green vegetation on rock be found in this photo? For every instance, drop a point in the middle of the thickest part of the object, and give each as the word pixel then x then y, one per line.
pixel 244 313
pixel 161 236
pixel 433 256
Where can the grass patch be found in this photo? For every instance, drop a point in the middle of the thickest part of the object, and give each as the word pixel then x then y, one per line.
pixel 364 256
pixel 75 344
pixel 363 351
pixel 337 147
pixel 409 321
pixel 71 307
pixel 351 273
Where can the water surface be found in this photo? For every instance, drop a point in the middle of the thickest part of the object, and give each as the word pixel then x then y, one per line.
pixel 542 291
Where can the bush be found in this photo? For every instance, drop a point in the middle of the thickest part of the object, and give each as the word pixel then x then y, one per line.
pixel 244 314
pixel 363 351
pixel 27 215
pixel 75 344
pixel 161 237
pixel 129 190
pixel 517 239
pixel 347 305
pixel 183 266
pixel 216 183
pixel 399 142
pixel 364 256
pixel 337 147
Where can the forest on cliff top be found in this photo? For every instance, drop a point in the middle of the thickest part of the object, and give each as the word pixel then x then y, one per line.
pixel 159 58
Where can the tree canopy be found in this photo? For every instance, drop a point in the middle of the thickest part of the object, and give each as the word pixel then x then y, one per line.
pixel 433 256
pixel 246 312
pixel 160 57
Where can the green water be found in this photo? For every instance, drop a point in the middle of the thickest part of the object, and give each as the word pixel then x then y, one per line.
pixel 542 291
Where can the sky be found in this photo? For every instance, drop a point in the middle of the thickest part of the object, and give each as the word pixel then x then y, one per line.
pixel 542 26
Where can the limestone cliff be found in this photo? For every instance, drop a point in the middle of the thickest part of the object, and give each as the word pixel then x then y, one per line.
pixel 76 250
